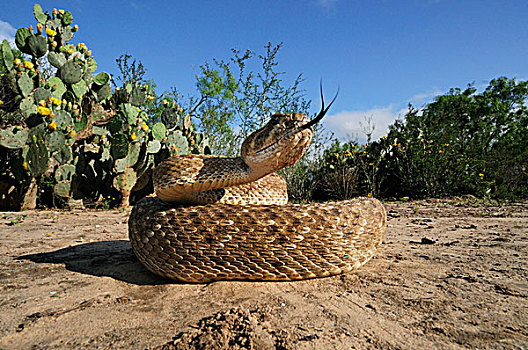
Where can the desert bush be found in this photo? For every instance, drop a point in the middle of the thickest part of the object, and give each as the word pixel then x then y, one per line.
pixel 465 143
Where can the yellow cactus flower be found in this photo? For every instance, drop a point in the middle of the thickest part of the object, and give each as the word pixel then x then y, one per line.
pixel 28 65
pixel 42 103
pixel 25 166
pixel 17 61
pixel 61 12
pixel 75 28
pixel 164 102
pixel 144 127
pixel 44 111
pixel 72 133
pixel 50 32
pixel 1 102
pixel 70 51
pixel 54 43
pixel 133 136
pixel 39 27
pixel 64 101
pixel 369 194
pixel 481 175
pixel 440 151
pixel 56 101
pixel 52 125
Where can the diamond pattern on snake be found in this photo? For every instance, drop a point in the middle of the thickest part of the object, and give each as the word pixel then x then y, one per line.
pixel 218 218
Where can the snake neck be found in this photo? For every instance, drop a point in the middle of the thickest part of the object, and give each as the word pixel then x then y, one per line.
pixel 219 172
pixel 175 178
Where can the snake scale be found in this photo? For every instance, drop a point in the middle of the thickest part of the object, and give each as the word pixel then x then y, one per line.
pixel 218 218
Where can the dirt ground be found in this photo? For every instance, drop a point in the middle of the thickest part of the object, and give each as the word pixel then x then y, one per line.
pixel 448 276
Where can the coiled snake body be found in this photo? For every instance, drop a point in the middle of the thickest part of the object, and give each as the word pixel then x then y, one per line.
pixel 248 232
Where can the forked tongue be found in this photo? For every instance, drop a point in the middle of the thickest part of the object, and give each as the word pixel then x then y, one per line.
pixel 321 114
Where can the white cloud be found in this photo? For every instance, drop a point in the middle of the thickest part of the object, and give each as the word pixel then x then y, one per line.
pixel 420 99
pixel 7 32
pixel 352 125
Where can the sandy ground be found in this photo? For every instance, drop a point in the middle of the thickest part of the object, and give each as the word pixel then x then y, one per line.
pixel 448 276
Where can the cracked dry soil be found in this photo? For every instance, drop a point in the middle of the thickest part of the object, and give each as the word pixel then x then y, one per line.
pixel 448 276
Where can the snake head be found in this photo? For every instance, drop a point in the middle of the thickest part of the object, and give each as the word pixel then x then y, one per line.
pixel 280 143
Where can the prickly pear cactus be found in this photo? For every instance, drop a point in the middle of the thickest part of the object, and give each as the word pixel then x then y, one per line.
pixel 13 137
pixel 74 133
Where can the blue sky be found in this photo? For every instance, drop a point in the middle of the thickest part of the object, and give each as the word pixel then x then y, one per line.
pixel 383 54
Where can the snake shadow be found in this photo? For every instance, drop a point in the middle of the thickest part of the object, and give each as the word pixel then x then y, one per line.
pixel 113 259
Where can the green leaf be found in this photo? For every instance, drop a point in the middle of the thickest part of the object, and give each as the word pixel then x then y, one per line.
pixel 41 94
pixel 126 180
pixel 131 113
pixel 102 78
pixel 56 59
pixel 13 137
pixel 37 45
pixel 55 140
pixel 153 146
pixel 133 153
pixel 27 106
pixel 64 155
pixel 80 88
pixel 97 130
pixel 25 83
pixel 105 155
pixel 21 39
pixel 81 124
pixel 63 118
pixel 62 188
pixel 57 87
pixel 7 55
pixel 159 131
pixel 40 16
pixel 71 72
pixel 120 165
pixel 119 148
pixel 67 18
pixel 92 65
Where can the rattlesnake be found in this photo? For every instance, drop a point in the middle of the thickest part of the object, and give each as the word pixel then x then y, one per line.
pixel 248 232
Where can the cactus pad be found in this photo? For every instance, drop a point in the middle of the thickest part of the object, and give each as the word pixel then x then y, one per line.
pixel 37 45
pixel 13 137
pixel 57 87
pixel 126 180
pixel 7 55
pixel 56 59
pixel 25 83
pixel 41 94
pixel 71 72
